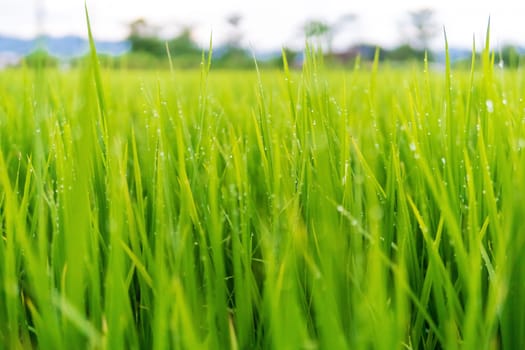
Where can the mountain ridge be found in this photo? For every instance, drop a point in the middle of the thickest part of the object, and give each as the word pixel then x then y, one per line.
pixel 67 46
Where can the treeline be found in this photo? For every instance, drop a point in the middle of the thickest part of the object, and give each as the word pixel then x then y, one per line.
pixel 189 55
pixel 149 50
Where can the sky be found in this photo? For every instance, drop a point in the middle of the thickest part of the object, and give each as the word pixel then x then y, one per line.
pixel 269 24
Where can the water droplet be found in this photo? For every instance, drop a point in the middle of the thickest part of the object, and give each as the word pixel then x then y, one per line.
pixel 490 106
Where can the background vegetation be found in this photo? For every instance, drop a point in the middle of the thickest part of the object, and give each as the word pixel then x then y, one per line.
pixel 149 48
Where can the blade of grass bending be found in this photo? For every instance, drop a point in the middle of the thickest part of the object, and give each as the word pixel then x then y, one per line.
pixel 77 318
pixel 169 56
pixel 96 65
pixel 98 81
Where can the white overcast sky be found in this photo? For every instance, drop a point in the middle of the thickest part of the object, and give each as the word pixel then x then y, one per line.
pixel 269 24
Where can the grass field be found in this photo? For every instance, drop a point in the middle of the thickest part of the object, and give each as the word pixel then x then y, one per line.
pixel 379 208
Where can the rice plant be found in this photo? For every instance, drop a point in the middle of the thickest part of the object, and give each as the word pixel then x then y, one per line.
pixel 375 208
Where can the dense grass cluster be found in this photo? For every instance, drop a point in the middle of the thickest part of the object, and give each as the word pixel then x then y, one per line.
pixel 375 208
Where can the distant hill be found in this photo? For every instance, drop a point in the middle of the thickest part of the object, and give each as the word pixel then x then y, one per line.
pixel 12 49
pixel 62 47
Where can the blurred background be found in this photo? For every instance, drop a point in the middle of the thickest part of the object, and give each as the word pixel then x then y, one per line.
pixel 138 33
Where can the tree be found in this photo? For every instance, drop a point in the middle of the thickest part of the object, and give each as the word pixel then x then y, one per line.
pixel 143 38
pixel 509 57
pixel 235 35
pixel 184 43
pixel 315 28
pixel 183 49
pixel 40 58
pixel 320 31
pixel 141 28
pixel 404 52
pixel 233 55
pixel 424 27
pixel 324 32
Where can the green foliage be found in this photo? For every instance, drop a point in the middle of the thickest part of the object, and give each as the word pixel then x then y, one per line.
pixel 143 38
pixel 378 208
pixel 234 58
pixel 183 44
pixel 40 59
pixel 404 53
pixel 509 56
pixel 144 41
pixel 151 45
pixel 316 28
pixel 288 55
